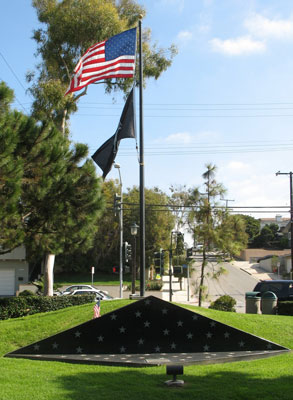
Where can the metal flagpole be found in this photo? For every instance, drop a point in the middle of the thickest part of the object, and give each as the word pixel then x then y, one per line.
pixel 141 170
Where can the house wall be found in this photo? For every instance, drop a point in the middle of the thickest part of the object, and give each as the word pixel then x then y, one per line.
pixel 266 264
pixel 14 270
pixel 252 255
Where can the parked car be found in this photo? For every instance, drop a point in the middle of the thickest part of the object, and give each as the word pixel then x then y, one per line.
pixel 100 294
pixel 78 287
pixel 283 289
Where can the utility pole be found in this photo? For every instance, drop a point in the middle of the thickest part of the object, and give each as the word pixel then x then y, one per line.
pixel 227 200
pixel 291 217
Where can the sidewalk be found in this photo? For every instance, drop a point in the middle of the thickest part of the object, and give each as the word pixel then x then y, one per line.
pixel 255 270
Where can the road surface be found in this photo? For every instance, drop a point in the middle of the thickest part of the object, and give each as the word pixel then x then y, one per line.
pixel 234 283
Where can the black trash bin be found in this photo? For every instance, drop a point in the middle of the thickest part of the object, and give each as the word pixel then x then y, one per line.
pixel 252 302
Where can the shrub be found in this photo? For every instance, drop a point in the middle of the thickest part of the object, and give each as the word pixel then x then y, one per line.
pixel 26 293
pixel 14 307
pixel 224 303
pixel 150 285
pixel 285 308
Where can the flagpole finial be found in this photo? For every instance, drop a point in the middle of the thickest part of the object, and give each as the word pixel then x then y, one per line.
pixel 140 16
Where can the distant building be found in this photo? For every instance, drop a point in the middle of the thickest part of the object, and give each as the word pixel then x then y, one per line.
pixel 278 220
pixel 14 271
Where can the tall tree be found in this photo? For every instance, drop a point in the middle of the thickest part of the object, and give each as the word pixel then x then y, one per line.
pixel 252 227
pixel 159 219
pixel 11 172
pixel 57 196
pixel 70 27
pixel 213 227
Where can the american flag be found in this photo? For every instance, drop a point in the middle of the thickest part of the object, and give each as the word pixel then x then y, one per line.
pixel 97 309
pixel 112 58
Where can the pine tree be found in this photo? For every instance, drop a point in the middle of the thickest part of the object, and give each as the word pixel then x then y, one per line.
pixel 50 194
pixel 213 227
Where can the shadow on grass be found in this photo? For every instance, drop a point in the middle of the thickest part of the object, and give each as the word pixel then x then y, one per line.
pixel 202 383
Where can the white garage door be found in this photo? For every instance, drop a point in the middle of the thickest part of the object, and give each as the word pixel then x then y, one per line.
pixel 7 279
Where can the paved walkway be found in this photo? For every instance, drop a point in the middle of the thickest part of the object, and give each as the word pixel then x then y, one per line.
pixel 255 270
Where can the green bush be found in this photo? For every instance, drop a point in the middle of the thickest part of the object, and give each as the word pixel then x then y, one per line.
pixel 224 303
pixel 285 308
pixel 150 285
pixel 14 307
pixel 26 293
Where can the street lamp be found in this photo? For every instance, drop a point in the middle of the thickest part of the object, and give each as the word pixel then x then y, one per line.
pixel 121 235
pixel 133 230
pixel 175 233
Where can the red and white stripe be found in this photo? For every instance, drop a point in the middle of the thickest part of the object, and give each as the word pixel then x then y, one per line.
pixel 93 67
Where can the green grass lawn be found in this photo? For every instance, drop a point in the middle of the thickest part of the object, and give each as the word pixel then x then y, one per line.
pixel 265 379
pixel 67 279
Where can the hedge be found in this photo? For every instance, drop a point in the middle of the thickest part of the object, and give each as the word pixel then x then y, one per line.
pixel 14 307
pixel 285 307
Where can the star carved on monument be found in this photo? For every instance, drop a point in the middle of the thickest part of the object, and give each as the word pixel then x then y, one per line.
pixel 195 317
pixel 122 329
pixel 189 335
pixel 77 334
pixel 36 347
pixel 55 345
pixel 113 317
pixel 147 302
pixel 157 349
pixel 166 332
pixel 122 349
pixel 179 324
pixel 226 335
pixel 79 350
pixel 212 324
pixel 138 314
pixel 206 347
pixel 164 311
pixel 140 341
pixel 269 346
pixel 147 324
pixel 100 338
pixel 173 346
pixel 241 344
pixel 209 335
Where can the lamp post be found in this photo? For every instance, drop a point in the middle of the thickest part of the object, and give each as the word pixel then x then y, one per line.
pixel 133 230
pixel 291 216
pixel 121 235
pixel 175 233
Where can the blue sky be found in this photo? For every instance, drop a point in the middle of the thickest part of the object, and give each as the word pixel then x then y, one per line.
pixel 227 98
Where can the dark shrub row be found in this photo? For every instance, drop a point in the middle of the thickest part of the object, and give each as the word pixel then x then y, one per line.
pixel 285 307
pixel 14 307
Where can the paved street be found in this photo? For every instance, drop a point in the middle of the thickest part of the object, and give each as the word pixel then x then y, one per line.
pixel 241 277
pixel 235 283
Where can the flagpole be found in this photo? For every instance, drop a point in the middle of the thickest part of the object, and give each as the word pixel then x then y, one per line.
pixel 141 170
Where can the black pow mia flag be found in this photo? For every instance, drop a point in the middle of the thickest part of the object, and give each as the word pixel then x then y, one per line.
pixel 105 156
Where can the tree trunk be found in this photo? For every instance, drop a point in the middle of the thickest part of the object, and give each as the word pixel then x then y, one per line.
pixel 200 293
pixel 48 274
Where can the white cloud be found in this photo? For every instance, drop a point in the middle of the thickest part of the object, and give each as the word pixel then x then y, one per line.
pixel 243 45
pixel 179 138
pixel 237 165
pixel 184 36
pixel 262 27
pixel 179 4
